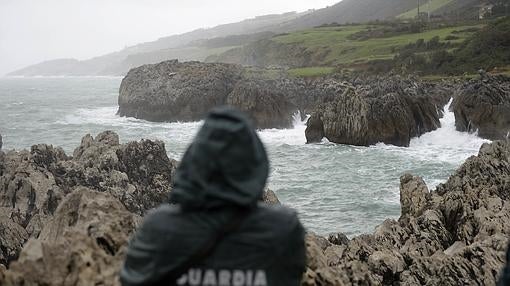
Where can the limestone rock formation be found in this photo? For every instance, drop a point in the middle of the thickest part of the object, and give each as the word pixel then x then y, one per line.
pixel 269 197
pixel 454 235
pixel 93 228
pixel 174 91
pixel 483 105
pixel 33 183
pixel 390 110
pixel 12 238
pixel 268 105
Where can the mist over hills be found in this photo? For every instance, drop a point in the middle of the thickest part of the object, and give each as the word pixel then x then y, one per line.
pixel 208 43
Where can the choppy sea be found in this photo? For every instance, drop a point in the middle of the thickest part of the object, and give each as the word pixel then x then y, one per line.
pixel 335 188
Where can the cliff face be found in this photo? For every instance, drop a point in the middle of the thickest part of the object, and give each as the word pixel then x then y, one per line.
pixel 391 110
pixel 173 91
pixel 483 105
pixel 456 234
pixel 376 109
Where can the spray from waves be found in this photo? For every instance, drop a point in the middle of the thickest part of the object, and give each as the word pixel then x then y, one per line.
pixel 293 136
pixel 107 116
pixel 444 144
pixel 456 146
pixel 176 134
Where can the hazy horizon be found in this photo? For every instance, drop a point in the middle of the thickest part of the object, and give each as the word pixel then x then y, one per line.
pixel 32 31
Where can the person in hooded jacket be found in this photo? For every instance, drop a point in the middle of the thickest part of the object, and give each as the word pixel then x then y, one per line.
pixel 504 279
pixel 216 231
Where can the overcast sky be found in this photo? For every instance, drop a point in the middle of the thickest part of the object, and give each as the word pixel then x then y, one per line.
pixel 32 31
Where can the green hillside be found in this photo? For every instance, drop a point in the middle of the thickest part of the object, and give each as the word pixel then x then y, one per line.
pixel 429 6
pixel 346 46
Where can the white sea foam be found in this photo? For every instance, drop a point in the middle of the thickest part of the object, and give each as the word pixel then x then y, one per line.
pixel 444 144
pixel 291 136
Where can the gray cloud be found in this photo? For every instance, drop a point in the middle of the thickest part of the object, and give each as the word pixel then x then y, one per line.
pixel 32 31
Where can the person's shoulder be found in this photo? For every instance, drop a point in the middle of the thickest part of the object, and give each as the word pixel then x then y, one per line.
pixel 278 217
pixel 161 217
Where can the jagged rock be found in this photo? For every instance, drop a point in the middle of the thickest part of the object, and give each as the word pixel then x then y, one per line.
pixel 269 197
pixel 483 105
pixel 413 195
pixel 32 184
pixel 82 245
pixel 173 91
pixel 12 238
pixel 456 234
pixel 314 129
pixel 338 239
pixel 137 173
pixel 1 142
pixel 267 105
pixel 27 188
pixel 389 110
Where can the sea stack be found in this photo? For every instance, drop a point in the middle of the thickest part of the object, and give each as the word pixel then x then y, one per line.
pixel 391 110
pixel 483 105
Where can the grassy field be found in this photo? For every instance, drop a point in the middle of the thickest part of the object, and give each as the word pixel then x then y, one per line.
pixel 311 71
pixel 431 6
pixel 340 49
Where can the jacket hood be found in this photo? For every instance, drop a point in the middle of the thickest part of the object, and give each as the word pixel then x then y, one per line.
pixel 226 165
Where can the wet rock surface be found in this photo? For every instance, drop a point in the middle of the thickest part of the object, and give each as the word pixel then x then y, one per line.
pixel 174 91
pixel 34 183
pixel 93 228
pixel 375 109
pixel 267 105
pixel 366 111
pixel 483 105
pixel 454 235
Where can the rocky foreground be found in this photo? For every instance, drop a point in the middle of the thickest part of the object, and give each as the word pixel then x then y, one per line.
pixel 454 235
pixel 34 183
pixel 67 220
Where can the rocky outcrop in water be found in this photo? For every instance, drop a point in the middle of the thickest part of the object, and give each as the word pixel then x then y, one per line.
pixel 483 105
pixel 367 111
pixel 173 91
pixel 454 235
pixel 268 105
pixel 33 183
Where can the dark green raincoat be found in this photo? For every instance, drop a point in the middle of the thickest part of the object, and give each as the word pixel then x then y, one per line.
pixel 224 169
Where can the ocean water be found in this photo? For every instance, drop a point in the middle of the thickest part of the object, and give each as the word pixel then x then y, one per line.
pixel 335 188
